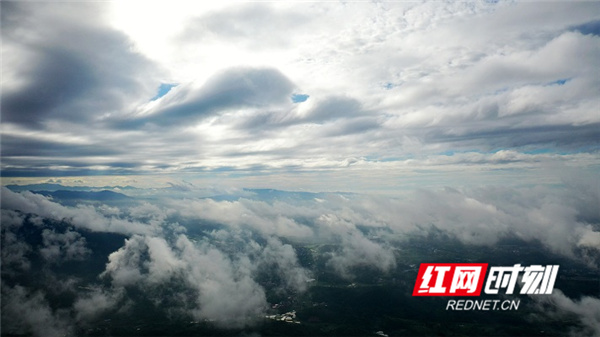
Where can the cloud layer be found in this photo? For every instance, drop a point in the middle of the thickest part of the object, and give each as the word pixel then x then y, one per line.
pixel 216 259
pixel 385 83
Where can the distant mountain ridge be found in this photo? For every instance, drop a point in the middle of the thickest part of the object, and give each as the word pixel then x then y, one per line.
pixel 59 187
pixel 274 194
pixel 107 193
pixel 103 195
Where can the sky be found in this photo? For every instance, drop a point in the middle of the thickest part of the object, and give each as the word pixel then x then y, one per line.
pixel 319 96
pixel 479 120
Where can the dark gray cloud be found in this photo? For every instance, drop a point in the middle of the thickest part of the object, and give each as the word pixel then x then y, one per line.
pixel 350 127
pixel 55 81
pixel 232 88
pixel 65 65
pixel 331 108
pixel 17 146
pixel 568 137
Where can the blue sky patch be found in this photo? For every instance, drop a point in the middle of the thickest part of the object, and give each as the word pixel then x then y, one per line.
pixel 163 89
pixel 299 98
pixel 389 86
pixel 561 81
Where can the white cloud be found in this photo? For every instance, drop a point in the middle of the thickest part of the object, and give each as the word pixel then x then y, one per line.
pixel 256 214
pixel 480 216
pixel 84 216
pixel 124 265
pixel 92 304
pixel 223 285
pixel 586 309
pixel 283 256
pixel 66 246
pixel 356 249
pixel 220 270
pixel 226 291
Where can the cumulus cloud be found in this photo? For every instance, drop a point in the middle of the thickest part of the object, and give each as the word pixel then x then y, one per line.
pixel 484 215
pixel 223 284
pixel 480 216
pixel 92 304
pixel 218 264
pixel 216 276
pixel 224 289
pixel 66 246
pixel 124 264
pixel 284 259
pixel 356 249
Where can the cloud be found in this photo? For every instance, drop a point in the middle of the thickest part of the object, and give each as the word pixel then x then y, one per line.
pixel 392 80
pixel 66 246
pixel 285 260
pixel 282 219
pixel 495 100
pixel 224 289
pixel 215 260
pixel 333 108
pixel 92 304
pixel 224 286
pixel 250 24
pixel 227 292
pixel 66 65
pixel 589 238
pixel 83 216
pixel 14 250
pixel 25 312
pixel 230 89
pixel 563 219
pixel 356 249
pixel 255 214
pixel 586 309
